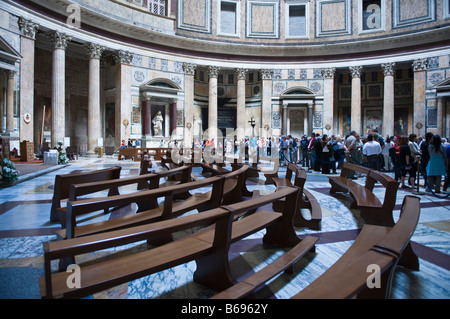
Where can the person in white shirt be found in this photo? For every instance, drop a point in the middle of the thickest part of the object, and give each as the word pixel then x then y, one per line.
pixel 385 153
pixel 372 151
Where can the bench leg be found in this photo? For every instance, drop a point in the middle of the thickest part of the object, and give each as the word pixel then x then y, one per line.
pixel 213 271
pixel 281 233
pixel 409 258
pixel 337 188
pixel 376 216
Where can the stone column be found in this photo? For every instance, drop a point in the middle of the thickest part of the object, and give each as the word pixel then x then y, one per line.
pixel 189 71
pixel 2 81
pixel 93 126
pixel 59 41
pixel 420 85
pixel 440 116
pixel 266 101
pixel 284 119
pixel 28 35
pixel 10 85
pixel 355 124
pixel 123 96
pixel 328 98
pixel 240 112
pixel 173 117
pixel 212 102
pixel 388 99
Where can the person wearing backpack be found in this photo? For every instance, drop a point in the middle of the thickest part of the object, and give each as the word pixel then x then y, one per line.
pixel 304 149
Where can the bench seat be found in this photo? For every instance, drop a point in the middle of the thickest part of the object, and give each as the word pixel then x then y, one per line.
pixel 360 194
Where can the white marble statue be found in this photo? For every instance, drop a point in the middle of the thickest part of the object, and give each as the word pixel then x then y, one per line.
pixel 157 124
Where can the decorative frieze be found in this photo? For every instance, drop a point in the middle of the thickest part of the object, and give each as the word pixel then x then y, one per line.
pixel 420 65
pixel 189 68
pixel 355 71
pixel 94 50
pixel 59 40
pixel 123 57
pixel 28 28
pixel 388 68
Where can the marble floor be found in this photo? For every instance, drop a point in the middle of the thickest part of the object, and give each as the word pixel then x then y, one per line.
pixel 24 226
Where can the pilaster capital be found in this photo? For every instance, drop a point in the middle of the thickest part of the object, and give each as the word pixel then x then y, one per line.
pixel 189 68
pixel 59 40
pixel 28 28
pixel 266 74
pixel 328 73
pixel 94 50
pixel 173 100
pixel 355 71
pixel 420 65
pixel 241 73
pixel 388 68
pixel 213 71
pixel 123 57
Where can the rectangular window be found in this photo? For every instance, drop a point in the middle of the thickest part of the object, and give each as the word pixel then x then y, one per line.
pixel 296 20
pixel 228 18
pixel 371 15
pixel 446 9
pixel 154 6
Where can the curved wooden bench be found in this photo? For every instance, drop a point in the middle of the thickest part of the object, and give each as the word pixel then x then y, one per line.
pixel 306 200
pixel 375 245
pixel 373 211
pixel 63 182
pixel 208 247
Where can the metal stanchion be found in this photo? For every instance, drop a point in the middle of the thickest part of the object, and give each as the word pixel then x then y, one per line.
pixel 308 160
pixel 418 192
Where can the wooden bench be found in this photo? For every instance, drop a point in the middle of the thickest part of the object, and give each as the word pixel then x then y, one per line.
pixel 63 182
pixel 381 246
pixel 170 209
pixel 208 247
pixel 146 181
pixel 128 153
pixel 373 211
pixel 306 200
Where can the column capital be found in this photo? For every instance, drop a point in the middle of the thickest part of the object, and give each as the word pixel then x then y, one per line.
pixel 420 65
pixel 59 40
pixel 355 71
pixel 28 28
pixel 266 74
pixel 213 71
pixel 10 74
pixel 241 73
pixel 123 57
pixel 189 68
pixel 328 73
pixel 173 100
pixel 310 105
pixel 388 68
pixel 94 50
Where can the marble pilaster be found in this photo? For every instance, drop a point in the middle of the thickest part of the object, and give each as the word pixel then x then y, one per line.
pixel 28 31
pixel 440 116
pixel 94 125
pixel 173 116
pixel 419 102
pixel 328 99
pixel 189 71
pixel 10 85
pixel 240 113
pixel 123 96
pixel 59 41
pixel 388 99
pixel 266 101
pixel 284 119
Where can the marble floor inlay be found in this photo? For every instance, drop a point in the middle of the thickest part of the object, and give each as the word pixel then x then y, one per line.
pixel 25 225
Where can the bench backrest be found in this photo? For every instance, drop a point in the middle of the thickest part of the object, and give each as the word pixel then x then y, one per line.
pixel 80 207
pixel 63 182
pixel 355 167
pixel 352 280
pixel 389 183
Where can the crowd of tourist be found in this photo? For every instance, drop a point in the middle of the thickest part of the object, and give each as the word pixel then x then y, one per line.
pixel 405 156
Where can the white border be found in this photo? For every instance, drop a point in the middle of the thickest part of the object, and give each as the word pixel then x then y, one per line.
pixel 361 17
pixel 286 18
pixel 237 16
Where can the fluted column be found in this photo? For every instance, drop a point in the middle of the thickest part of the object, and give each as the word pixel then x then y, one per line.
pixel 93 126
pixel 328 98
pixel 10 85
pixel 189 71
pixel 212 102
pixel 355 119
pixel 59 87
pixel 420 81
pixel 266 102
pixel 27 42
pixel 240 112
pixel 388 99
pixel 123 96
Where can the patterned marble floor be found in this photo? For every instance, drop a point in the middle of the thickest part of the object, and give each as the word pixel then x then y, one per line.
pixel 24 226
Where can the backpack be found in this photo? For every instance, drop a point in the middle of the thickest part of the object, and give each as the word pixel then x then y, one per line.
pixel 304 144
